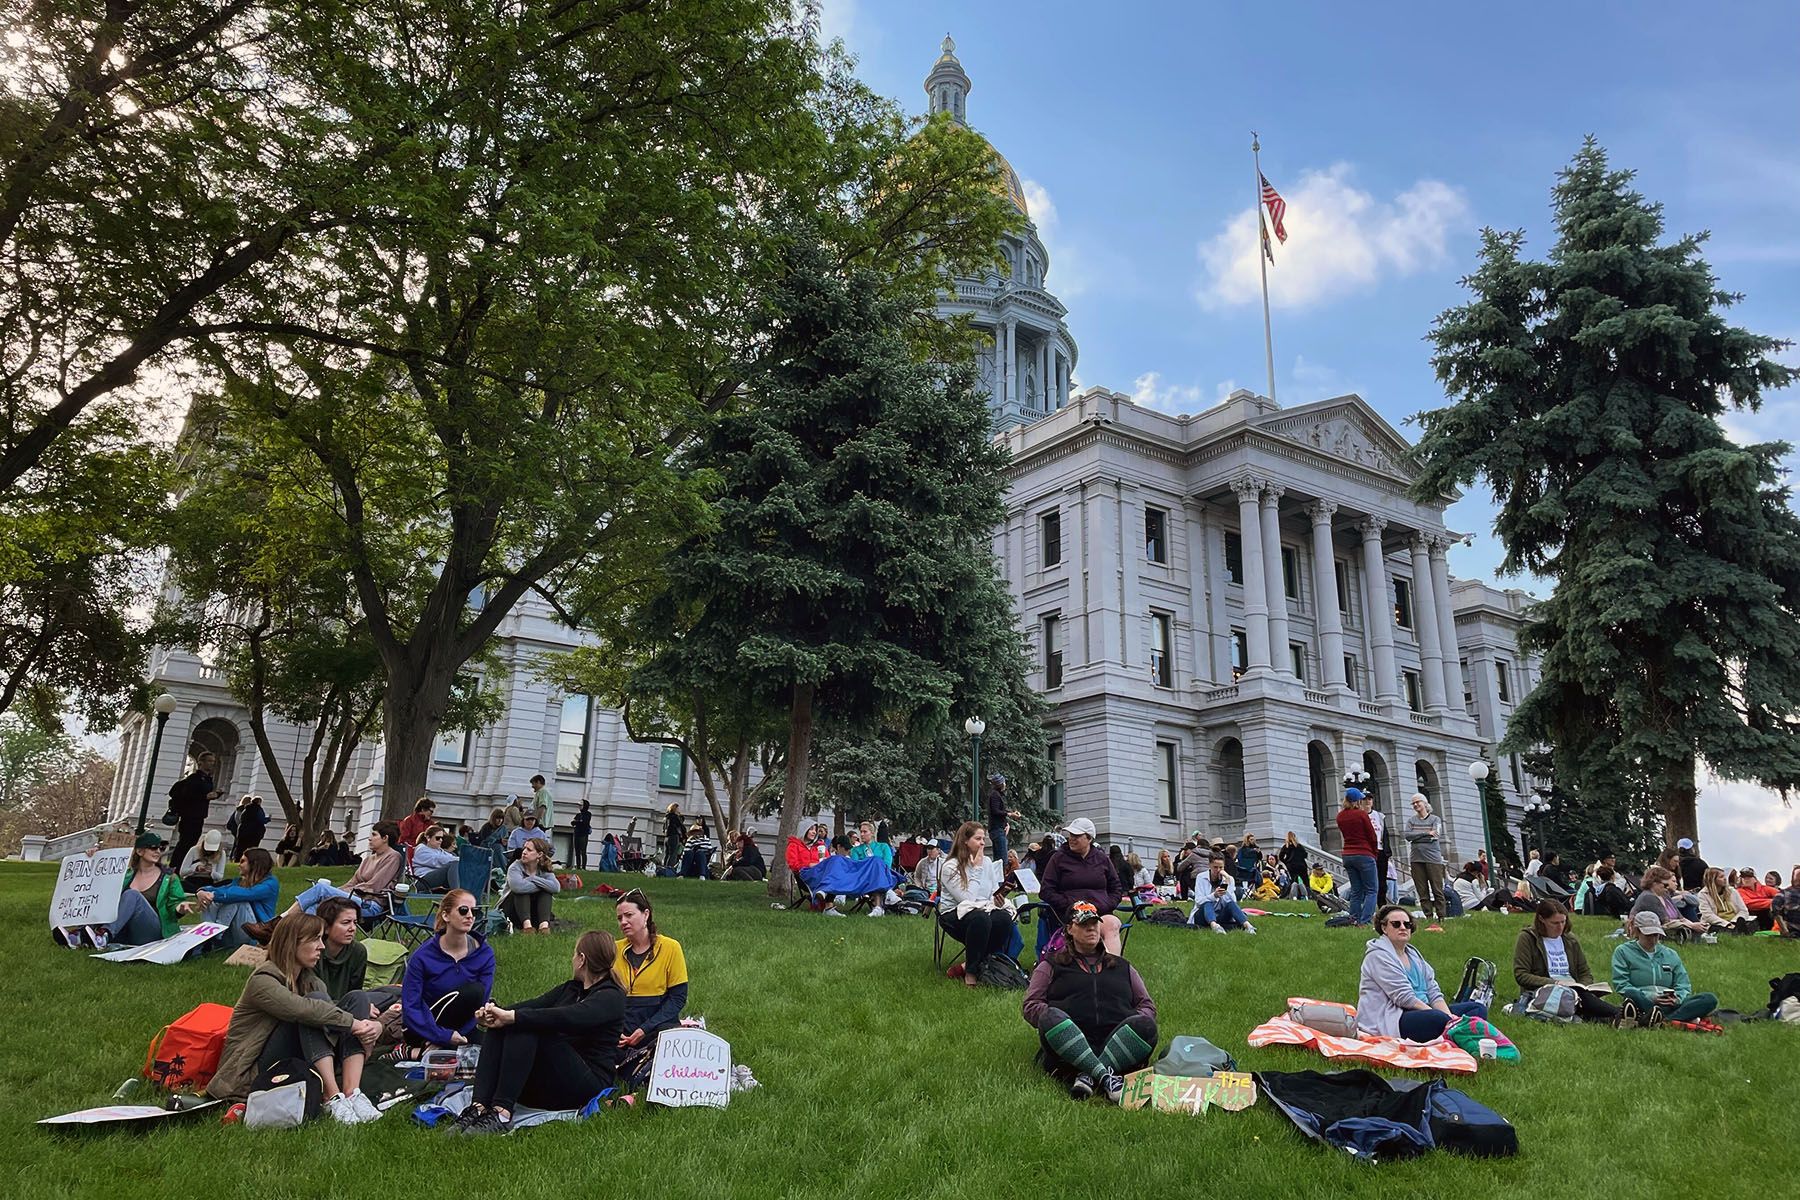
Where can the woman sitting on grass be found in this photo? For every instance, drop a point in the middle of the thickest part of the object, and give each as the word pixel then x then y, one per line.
pixel 1650 979
pixel 369 884
pixel 246 905
pixel 652 971
pixel 557 1051
pixel 285 1013
pixel 972 905
pixel 1721 908
pixel 1095 1019
pixel 208 865
pixel 530 883
pixel 1658 897
pixel 447 979
pixel 150 906
pixel 344 965
pixel 1399 994
pixel 1164 875
pixel 1546 952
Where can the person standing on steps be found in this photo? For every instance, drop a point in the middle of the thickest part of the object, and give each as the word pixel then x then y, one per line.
pixel 999 815
pixel 1423 832
pixel 190 798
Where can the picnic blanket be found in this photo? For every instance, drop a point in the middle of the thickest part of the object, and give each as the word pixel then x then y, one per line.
pixel 839 876
pixel 1439 1055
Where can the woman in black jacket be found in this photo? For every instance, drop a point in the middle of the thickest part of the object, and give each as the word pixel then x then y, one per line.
pixel 557 1051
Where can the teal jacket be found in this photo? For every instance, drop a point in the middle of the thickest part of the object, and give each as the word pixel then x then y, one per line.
pixel 1649 971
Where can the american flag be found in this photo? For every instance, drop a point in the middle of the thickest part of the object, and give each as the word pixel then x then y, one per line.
pixel 1277 207
pixel 1263 228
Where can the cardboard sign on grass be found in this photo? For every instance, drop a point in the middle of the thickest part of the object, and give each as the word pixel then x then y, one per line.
pixel 170 949
pixel 88 888
pixel 691 1068
pixel 1229 1090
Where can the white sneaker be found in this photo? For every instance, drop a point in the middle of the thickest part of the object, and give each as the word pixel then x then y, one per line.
pixel 1249 928
pixel 878 911
pixel 342 1109
pixel 365 1107
pixel 834 912
pixel 1217 928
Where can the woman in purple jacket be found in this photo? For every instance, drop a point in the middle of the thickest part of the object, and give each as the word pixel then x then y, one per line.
pixel 447 979
pixel 1079 872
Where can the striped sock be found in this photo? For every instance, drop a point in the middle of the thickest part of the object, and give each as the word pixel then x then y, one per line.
pixel 1071 1045
pixel 1123 1049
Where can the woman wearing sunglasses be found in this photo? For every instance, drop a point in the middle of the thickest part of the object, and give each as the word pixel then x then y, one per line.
pixel 1399 994
pixel 448 978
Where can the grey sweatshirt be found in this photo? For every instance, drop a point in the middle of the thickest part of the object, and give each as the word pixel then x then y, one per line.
pixel 1422 834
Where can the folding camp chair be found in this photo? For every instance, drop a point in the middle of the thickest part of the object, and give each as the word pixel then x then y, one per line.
pixel 475 873
pixel 1049 924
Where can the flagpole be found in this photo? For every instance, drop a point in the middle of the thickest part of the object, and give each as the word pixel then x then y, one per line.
pixel 1262 263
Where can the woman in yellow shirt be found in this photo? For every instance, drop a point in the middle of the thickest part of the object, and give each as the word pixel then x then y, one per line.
pixel 1319 880
pixel 653 971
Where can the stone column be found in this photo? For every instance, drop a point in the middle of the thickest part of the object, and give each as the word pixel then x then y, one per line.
pixel 1075 617
pixel 1440 587
pixel 1425 623
pixel 1256 598
pixel 1012 362
pixel 1380 616
pixel 1199 621
pixel 1276 586
pixel 1329 620
pixel 1046 363
pixel 1104 614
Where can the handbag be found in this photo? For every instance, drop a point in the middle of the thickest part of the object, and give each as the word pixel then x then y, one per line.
pixel 285 1095
pixel 1336 1020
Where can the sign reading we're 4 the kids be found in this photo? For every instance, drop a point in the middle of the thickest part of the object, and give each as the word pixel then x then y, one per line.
pixel 1229 1090
pixel 87 889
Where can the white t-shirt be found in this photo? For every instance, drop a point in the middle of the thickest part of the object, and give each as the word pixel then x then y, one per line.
pixel 1534 866
pixel 1380 823
pixel 1556 959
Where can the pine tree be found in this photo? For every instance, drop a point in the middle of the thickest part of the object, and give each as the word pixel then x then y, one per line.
pixel 1587 392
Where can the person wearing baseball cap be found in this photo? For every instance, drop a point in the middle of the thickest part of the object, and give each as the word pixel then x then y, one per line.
pixel 1080 872
pixel 1095 1019
pixel 1689 866
pixel 149 906
pixel 1648 975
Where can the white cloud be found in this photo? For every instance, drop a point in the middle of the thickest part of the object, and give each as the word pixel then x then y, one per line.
pixel 1069 274
pixel 1742 825
pixel 1150 391
pixel 1340 240
pixel 837 19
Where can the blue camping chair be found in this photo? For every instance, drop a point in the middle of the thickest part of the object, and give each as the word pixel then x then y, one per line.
pixel 475 871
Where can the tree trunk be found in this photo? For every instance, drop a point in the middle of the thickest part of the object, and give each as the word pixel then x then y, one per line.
pixel 1680 809
pixel 793 799
pixel 411 712
pixel 739 782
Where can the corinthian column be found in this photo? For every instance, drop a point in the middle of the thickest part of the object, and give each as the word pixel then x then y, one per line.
pixel 1440 587
pixel 1425 621
pixel 1256 597
pixel 1330 622
pixel 1271 556
pixel 1381 609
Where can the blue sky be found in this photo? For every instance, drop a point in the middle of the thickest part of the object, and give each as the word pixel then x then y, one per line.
pixel 1395 132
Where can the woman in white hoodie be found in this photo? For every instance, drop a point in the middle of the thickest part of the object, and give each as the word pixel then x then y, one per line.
pixel 1399 994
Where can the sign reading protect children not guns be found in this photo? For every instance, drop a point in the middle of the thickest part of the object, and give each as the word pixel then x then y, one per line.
pixel 691 1068
pixel 87 890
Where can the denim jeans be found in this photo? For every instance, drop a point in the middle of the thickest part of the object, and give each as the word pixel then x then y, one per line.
pixel 997 847
pixel 1361 869
pixel 1223 912
pixel 321 891
pixel 137 923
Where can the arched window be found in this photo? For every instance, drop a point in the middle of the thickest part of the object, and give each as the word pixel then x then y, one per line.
pixel 1228 769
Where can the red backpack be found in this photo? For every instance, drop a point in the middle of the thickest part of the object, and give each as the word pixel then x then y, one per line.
pixel 186 1053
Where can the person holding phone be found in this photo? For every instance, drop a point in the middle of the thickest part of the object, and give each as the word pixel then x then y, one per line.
pixel 1648 974
pixel 1213 903
pixel 972 903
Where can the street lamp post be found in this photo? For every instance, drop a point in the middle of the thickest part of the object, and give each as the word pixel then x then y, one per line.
pixel 165 704
pixel 975 727
pixel 1478 771
pixel 1537 812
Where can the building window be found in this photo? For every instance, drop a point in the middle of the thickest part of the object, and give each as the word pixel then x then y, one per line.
pixel 1053 791
pixel 1234 558
pixel 1053 655
pixel 1050 538
pixel 1403 603
pixel 1168 800
pixel 1518 780
pixel 1468 690
pixel 671 770
pixel 1290 573
pixel 1350 679
pixel 1240 653
pixel 1161 646
pixel 1231 782
pixel 1343 586
pixel 1501 670
pixel 1156 535
pixel 1297 660
pixel 1411 681
pixel 572 736
pixel 452 746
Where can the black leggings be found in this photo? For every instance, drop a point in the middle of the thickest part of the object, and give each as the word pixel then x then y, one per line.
pixel 521 907
pixel 983 932
pixel 453 1010
pixel 539 1069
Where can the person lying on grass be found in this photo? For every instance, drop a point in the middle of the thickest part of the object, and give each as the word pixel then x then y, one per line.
pixel 284 1012
pixel 1398 995
pixel 652 970
pixel 1095 1019
pixel 245 906
pixel 972 904
pixel 1546 952
pixel 557 1051
pixel 1213 906
pixel 1648 974
pixel 370 882
pixel 447 978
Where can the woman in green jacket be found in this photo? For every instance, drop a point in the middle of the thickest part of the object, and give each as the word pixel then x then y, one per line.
pixel 148 906
pixel 1652 980
pixel 1547 953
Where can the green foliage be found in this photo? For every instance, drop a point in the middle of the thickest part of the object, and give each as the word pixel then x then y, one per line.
pixel 1587 394
pixel 30 755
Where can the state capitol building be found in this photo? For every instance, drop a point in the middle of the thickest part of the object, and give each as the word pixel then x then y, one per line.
pixel 1226 611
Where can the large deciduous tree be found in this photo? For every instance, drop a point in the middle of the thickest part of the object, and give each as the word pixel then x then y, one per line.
pixel 1587 393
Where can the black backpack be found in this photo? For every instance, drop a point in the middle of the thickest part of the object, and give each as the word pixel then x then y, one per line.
pixel 1002 971
pixel 1464 1126
pixel 1166 914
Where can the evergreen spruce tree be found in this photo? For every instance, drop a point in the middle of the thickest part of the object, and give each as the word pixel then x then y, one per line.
pixel 858 483
pixel 1587 392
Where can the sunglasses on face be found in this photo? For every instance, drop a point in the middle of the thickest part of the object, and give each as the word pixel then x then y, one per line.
pixel 462 910
pixel 1400 924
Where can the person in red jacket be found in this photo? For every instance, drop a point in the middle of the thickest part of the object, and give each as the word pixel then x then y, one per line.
pixel 1359 855
pixel 424 816
pixel 1758 896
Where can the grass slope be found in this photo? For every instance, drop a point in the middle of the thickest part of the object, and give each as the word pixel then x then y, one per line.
pixel 880 1078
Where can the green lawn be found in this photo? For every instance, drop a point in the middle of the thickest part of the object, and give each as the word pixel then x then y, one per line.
pixel 881 1078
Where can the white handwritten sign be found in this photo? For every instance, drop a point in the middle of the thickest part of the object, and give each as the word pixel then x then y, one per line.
pixel 692 1067
pixel 87 891
pixel 170 949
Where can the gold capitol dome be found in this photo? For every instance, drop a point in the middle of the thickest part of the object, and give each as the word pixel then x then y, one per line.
pixel 948 87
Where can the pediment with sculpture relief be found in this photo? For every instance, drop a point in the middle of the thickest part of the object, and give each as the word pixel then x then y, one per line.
pixel 1347 430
